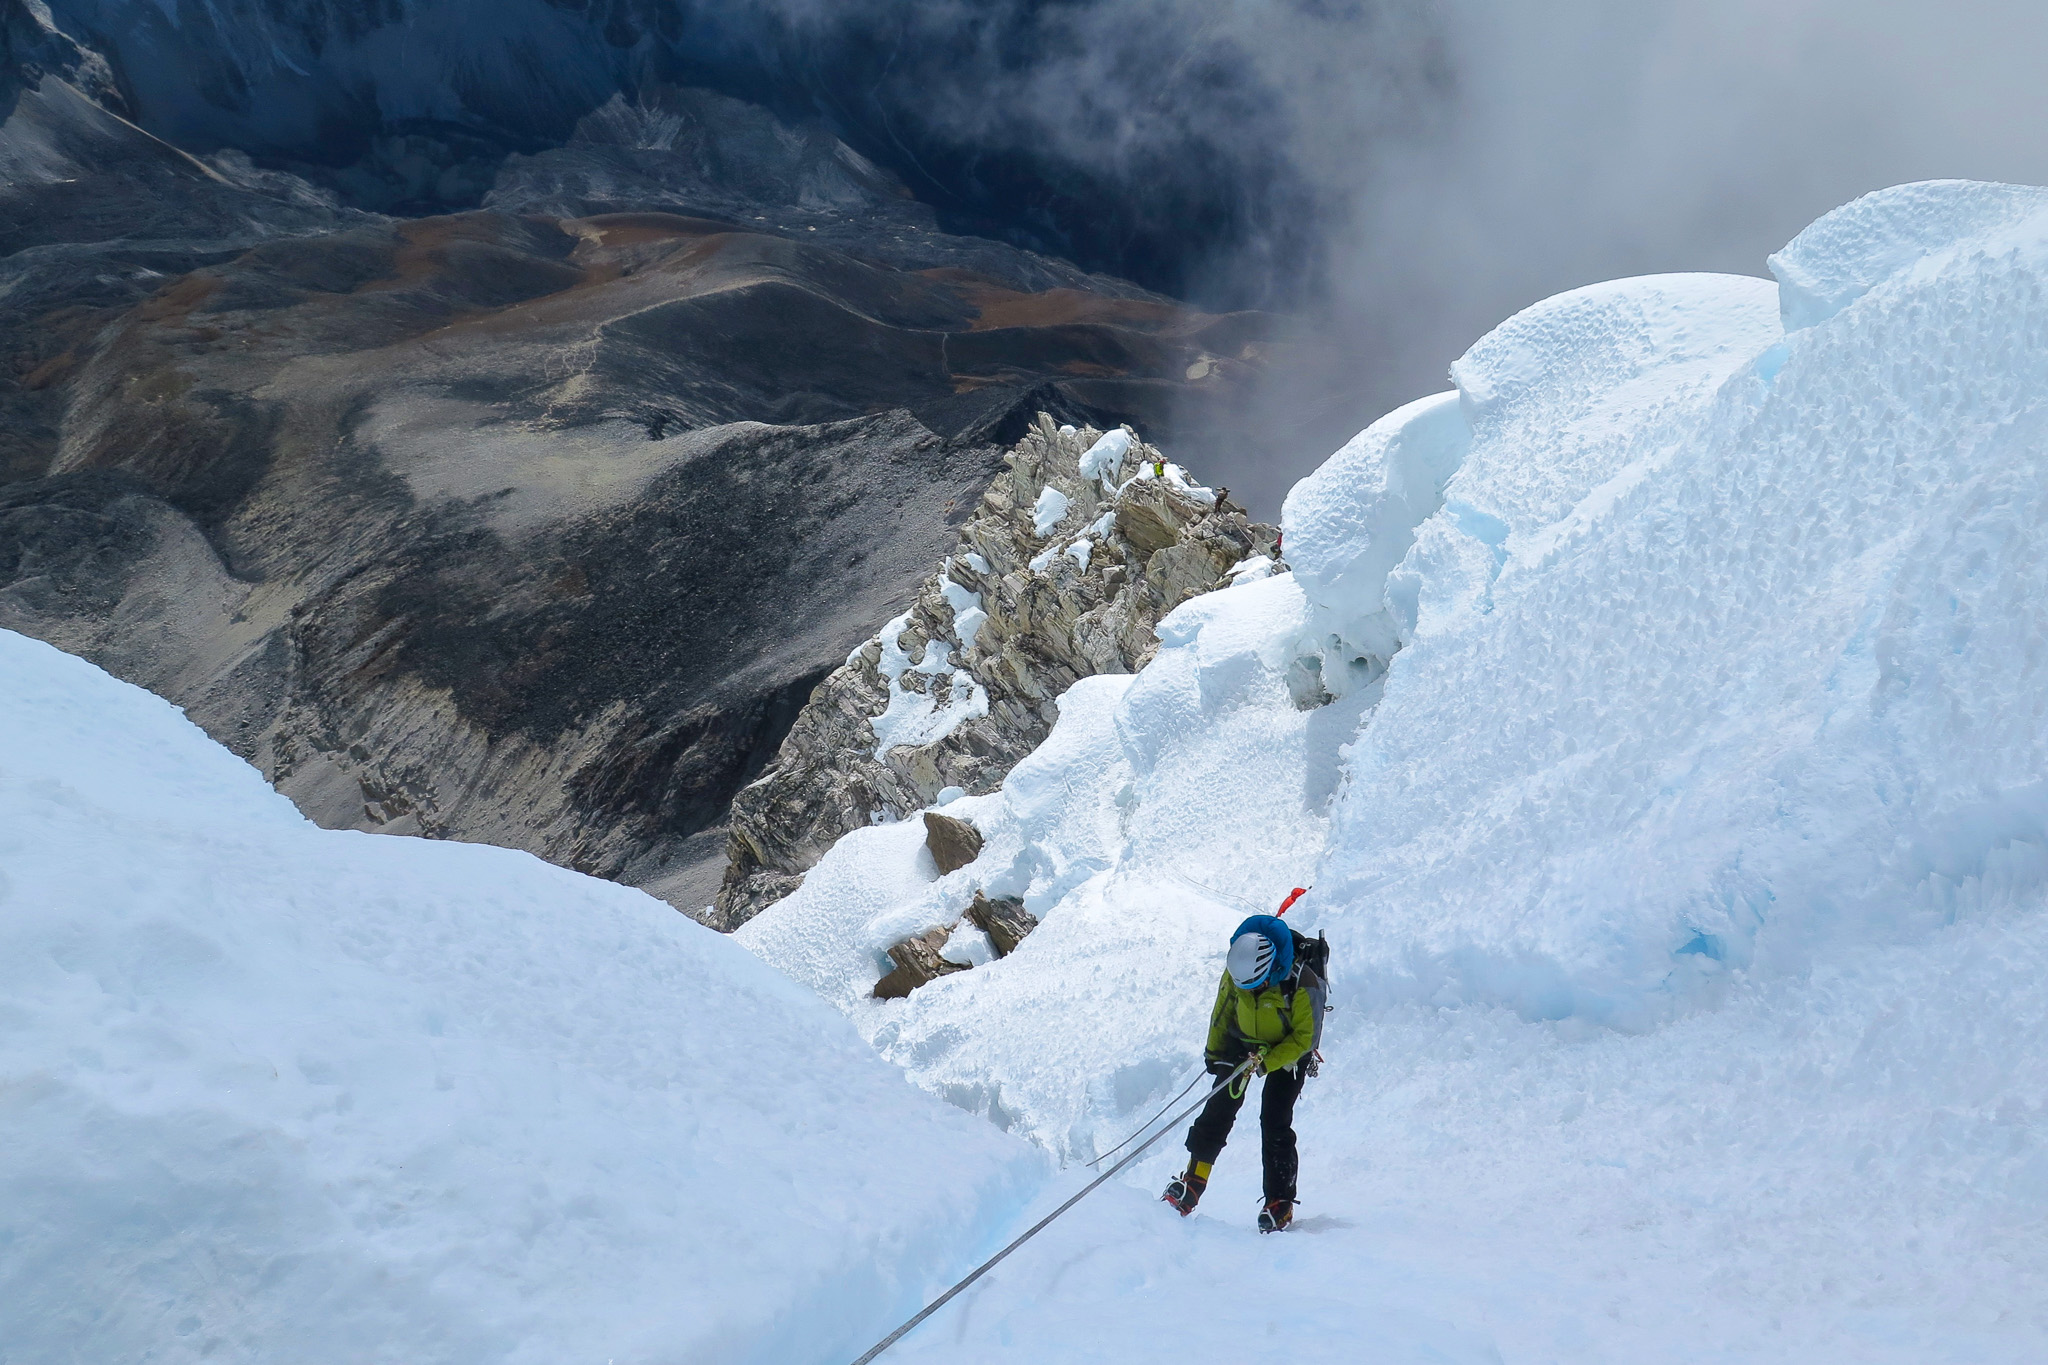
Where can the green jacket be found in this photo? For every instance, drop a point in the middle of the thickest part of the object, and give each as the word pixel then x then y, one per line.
pixel 1263 1018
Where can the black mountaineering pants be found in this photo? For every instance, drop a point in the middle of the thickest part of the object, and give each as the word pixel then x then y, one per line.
pixel 1276 1128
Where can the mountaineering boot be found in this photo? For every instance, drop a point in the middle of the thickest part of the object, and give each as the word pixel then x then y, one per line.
pixel 1277 1214
pixel 1184 1191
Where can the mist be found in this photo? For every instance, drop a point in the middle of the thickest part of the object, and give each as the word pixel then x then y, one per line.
pixel 1402 176
pixel 1603 138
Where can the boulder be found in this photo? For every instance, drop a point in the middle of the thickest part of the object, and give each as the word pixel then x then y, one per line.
pixel 917 961
pixel 953 843
pixel 1004 920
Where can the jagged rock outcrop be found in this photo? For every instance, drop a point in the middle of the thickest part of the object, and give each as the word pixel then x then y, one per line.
pixel 1071 557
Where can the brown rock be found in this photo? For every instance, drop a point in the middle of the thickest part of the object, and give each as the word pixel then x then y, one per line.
pixel 1005 921
pixel 954 843
pixel 917 961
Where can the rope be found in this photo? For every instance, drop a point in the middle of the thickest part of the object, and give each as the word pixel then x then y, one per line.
pixel 942 1300
pixel 1208 890
pixel 1148 1122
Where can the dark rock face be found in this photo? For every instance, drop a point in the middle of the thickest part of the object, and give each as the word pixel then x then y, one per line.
pixel 513 526
pixel 953 843
pixel 1044 125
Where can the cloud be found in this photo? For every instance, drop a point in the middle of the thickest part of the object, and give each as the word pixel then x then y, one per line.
pixel 1583 140
pixel 1595 138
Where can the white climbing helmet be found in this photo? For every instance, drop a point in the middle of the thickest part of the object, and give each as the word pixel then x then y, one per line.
pixel 1251 958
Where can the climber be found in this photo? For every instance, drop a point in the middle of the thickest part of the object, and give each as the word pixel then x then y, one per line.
pixel 1266 1010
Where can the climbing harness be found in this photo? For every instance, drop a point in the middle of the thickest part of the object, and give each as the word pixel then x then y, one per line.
pixel 942 1300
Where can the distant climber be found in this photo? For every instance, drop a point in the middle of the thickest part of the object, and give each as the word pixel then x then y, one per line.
pixel 1269 1007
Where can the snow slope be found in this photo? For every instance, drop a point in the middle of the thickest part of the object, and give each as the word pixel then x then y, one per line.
pixel 1678 823
pixel 269 1092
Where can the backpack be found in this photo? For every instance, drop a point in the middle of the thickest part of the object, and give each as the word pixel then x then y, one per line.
pixel 1312 974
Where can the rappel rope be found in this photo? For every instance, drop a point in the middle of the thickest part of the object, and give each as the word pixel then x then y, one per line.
pixel 1238 900
pixel 1216 892
pixel 940 1302
pixel 1148 1122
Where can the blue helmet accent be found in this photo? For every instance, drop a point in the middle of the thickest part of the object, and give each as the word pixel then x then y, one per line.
pixel 1275 931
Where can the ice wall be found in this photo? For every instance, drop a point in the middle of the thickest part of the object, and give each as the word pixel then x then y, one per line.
pixel 1724 645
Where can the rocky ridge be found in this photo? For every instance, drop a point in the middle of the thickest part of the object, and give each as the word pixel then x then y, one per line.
pixel 1076 551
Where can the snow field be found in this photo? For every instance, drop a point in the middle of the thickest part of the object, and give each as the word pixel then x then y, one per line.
pixel 270 1092
pixel 1678 824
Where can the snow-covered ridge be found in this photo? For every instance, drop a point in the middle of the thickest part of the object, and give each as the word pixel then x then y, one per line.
pixel 1664 623
pixel 1670 784
pixel 270 1092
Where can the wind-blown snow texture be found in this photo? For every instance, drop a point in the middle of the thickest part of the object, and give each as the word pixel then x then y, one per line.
pixel 1680 826
pixel 269 1092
